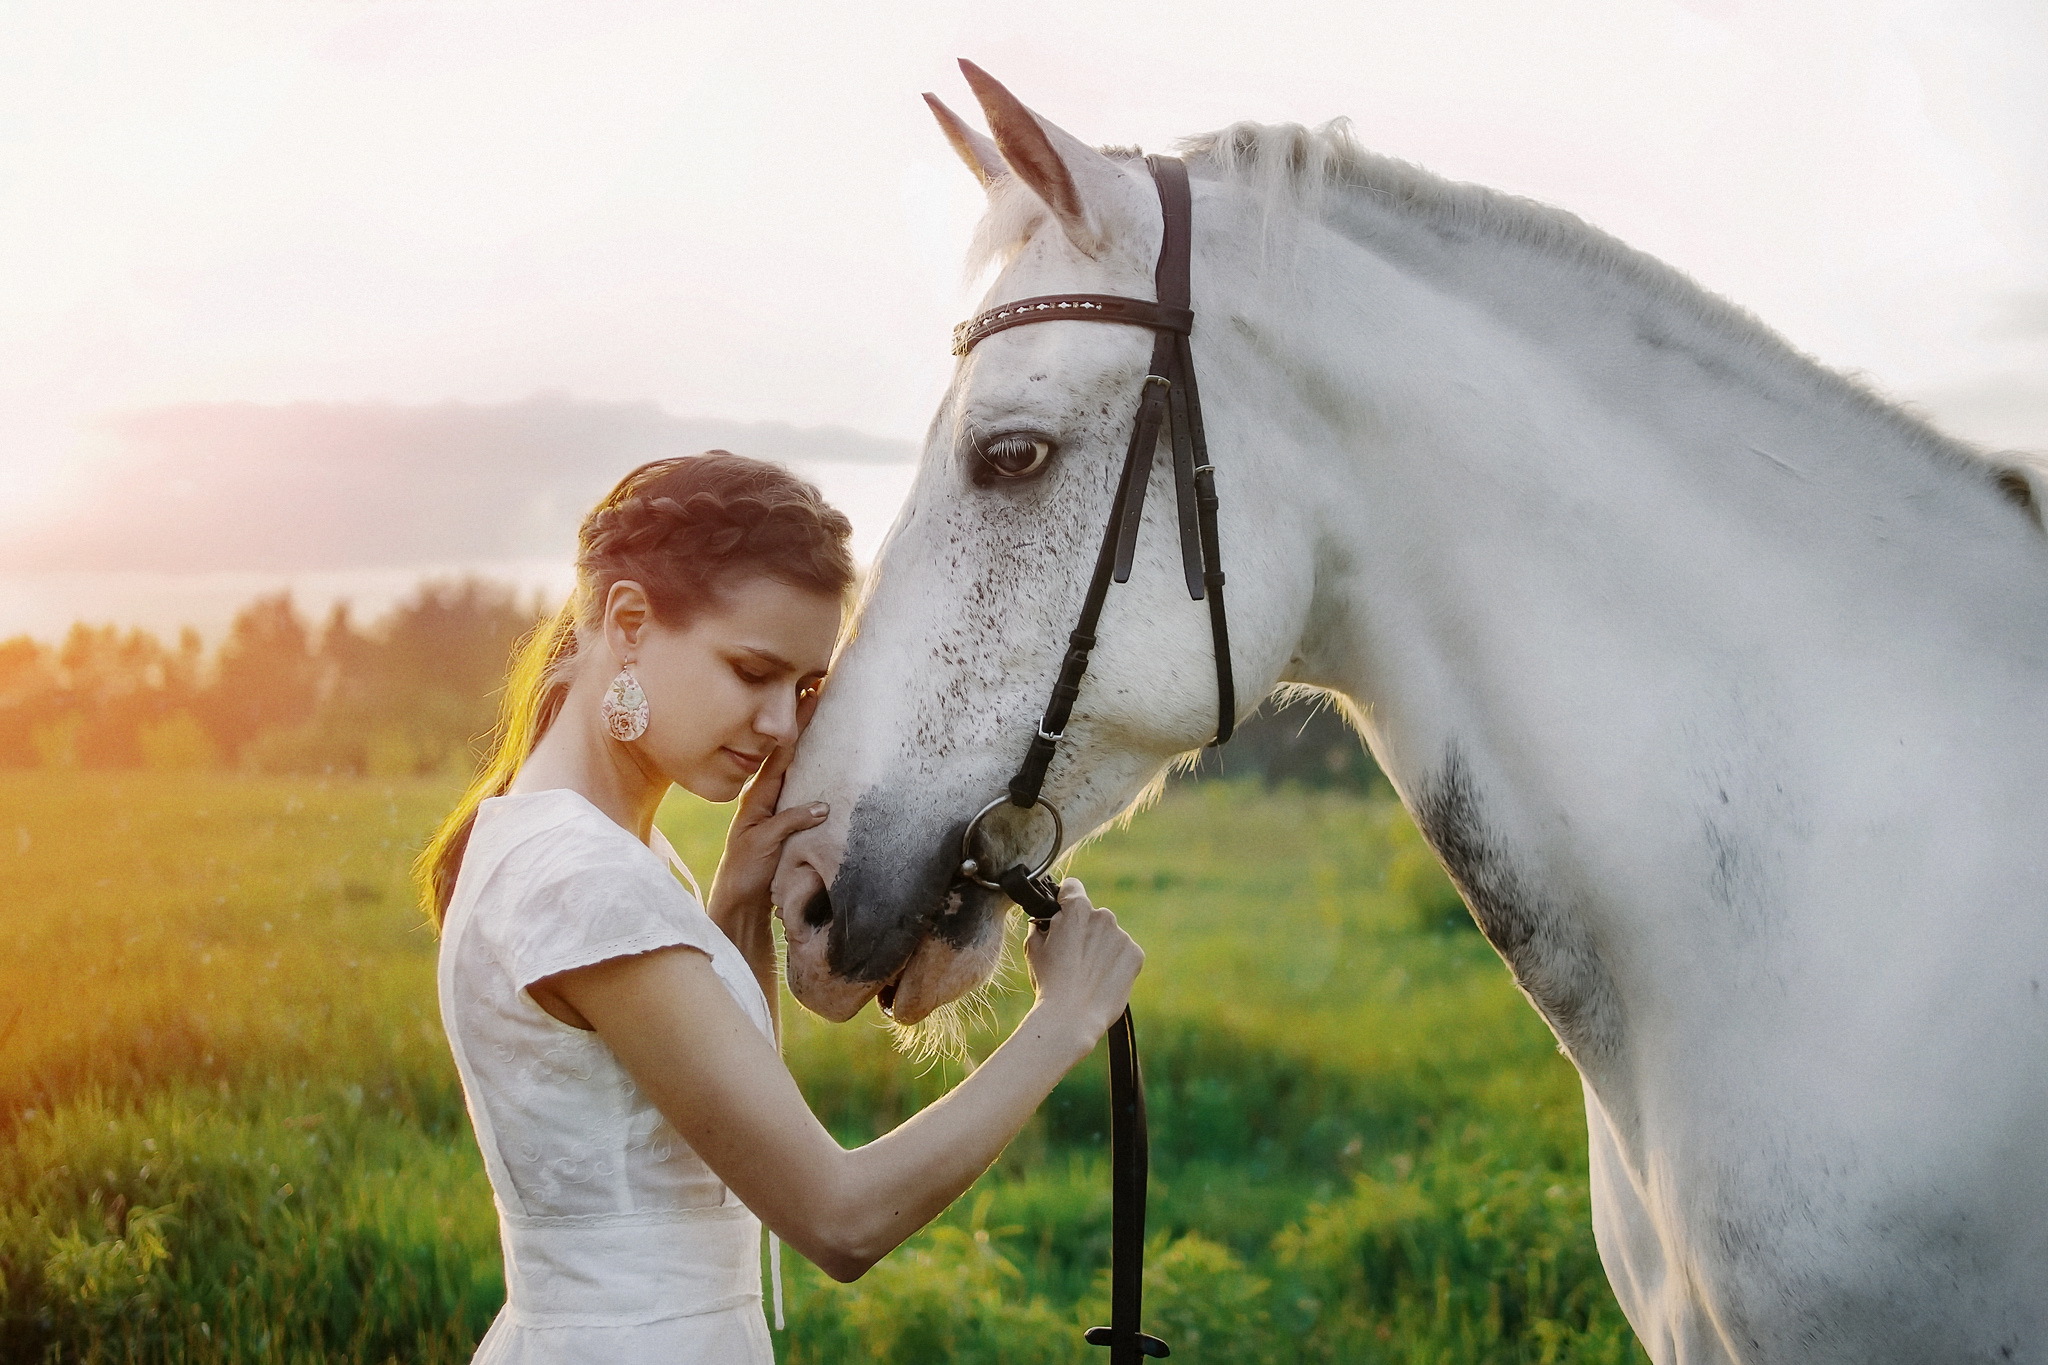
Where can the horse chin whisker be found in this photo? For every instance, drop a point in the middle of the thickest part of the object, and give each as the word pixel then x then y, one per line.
pixel 940 1036
pixel 943 1035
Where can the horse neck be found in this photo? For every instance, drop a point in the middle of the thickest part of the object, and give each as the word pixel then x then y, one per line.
pixel 1584 539
pixel 1495 431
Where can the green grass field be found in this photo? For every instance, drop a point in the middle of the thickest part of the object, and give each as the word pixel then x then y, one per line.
pixel 233 1132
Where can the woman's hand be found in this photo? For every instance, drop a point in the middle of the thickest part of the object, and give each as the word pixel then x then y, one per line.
pixel 739 891
pixel 1082 963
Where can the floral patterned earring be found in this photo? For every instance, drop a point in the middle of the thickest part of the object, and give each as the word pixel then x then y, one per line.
pixel 625 707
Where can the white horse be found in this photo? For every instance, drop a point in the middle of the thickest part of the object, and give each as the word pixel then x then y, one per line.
pixel 1718 684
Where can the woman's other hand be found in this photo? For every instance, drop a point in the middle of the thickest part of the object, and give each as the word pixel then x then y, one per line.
pixel 1083 963
pixel 739 891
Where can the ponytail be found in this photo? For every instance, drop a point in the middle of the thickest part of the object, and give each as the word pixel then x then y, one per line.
pixel 534 690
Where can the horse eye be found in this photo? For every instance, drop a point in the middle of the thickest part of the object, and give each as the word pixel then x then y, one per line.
pixel 1015 457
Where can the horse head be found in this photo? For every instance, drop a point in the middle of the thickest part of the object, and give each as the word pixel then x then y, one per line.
pixel 941 686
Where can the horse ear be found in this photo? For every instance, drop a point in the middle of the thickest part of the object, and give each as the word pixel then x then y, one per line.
pixel 2024 481
pixel 1061 169
pixel 980 154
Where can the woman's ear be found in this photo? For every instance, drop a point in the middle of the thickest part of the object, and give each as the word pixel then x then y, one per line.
pixel 627 614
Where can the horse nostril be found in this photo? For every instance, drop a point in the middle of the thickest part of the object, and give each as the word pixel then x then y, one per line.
pixel 818 913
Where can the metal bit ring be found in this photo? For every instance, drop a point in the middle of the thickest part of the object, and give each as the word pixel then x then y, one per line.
pixel 970 867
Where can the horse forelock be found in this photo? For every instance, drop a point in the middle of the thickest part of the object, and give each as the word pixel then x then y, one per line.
pixel 1014 215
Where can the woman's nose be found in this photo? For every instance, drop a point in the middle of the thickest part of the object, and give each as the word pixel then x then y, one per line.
pixel 777 720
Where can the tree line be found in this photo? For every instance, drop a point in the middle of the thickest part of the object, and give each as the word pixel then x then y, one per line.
pixel 411 694
pixel 407 695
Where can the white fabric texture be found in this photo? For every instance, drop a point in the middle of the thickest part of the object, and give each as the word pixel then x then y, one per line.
pixel 621 1245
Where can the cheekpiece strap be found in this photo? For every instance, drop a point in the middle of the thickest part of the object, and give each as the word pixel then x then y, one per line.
pixel 1072 308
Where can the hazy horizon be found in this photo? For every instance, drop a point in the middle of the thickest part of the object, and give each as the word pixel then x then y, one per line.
pixel 360 502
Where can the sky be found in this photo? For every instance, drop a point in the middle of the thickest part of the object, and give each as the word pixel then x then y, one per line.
pixel 223 221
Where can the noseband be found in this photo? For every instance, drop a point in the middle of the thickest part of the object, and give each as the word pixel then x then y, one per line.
pixel 1170 402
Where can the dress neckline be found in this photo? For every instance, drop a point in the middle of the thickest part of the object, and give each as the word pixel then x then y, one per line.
pixel 660 848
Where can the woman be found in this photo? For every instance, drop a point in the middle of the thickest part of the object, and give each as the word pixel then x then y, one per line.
pixel 615 1036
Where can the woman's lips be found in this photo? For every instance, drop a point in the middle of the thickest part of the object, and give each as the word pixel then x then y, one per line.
pixel 746 763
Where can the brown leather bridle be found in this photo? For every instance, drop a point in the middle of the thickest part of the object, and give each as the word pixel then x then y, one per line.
pixel 1169 402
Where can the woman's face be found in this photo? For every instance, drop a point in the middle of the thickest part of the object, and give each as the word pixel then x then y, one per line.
pixel 726 689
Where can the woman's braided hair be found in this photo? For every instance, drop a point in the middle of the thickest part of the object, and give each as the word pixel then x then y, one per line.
pixel 683 529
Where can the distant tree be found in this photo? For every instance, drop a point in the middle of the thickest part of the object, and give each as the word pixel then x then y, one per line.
pixel 412 694
pixel 265 678
pixel 115 685
pixel 409 695
pixel 27 671
pixel 28 685
pixel 346 664
pixel 184 670
pixel 443 658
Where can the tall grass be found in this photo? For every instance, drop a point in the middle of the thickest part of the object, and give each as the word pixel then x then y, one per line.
pixel 233 1132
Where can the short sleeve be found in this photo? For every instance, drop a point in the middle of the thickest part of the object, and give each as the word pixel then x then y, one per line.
pixel 592 913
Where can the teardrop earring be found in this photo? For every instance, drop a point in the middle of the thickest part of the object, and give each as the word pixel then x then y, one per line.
pixel 625 707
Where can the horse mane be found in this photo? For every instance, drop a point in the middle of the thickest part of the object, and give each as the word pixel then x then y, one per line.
pixel 1293 171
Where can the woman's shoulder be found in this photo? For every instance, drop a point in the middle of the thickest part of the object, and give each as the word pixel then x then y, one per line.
pixel 569 886
pixel 557 835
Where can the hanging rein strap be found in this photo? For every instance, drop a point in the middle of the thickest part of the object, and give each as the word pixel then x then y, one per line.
pixel 1129 1164
pixel 1170 403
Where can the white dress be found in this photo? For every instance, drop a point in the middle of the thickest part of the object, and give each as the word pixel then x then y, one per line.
pixel 621 1246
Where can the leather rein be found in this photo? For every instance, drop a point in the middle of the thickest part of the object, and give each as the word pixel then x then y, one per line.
pixel 1169 404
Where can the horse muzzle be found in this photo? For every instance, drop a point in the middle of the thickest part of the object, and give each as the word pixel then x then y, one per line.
pixel 881 912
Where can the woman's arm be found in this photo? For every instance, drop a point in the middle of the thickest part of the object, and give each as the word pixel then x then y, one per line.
pixel 681 1036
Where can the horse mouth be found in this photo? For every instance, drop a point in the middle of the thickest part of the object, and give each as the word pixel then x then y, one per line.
pixel 943 968
pixel 928 956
